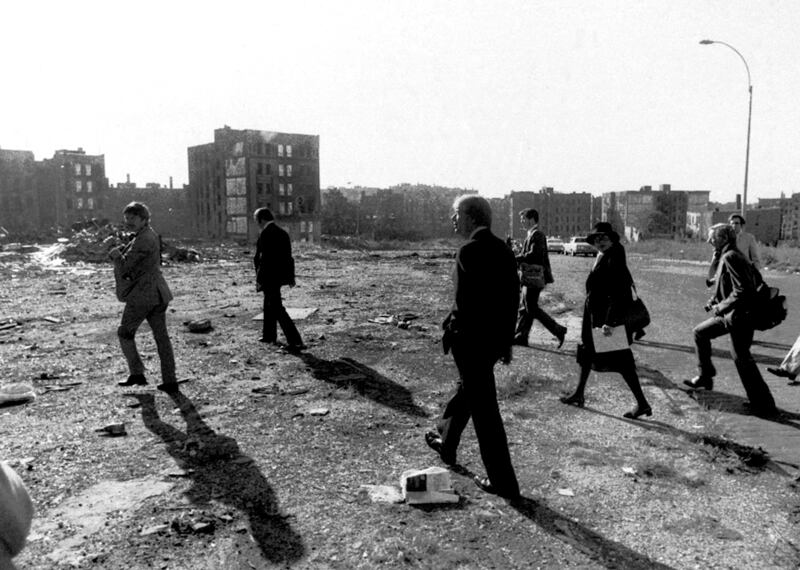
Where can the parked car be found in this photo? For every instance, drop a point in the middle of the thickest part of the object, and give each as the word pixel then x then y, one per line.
pixel 555 245
pixel 577 245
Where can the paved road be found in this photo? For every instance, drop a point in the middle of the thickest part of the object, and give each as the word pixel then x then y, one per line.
pixel 675 294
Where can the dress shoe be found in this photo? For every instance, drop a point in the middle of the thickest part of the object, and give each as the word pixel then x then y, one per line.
pixel 561 335
pixel 134 380
pixel 434 441
pixel 638 411
pixel 700 382
pixel 295 347
pixel 485 485
pixel 169 388
pixel 639 334
pixel 573 400
pixel 782 373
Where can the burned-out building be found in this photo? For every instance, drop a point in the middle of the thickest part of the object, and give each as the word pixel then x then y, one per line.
pixel 247 169
pixel 52 193
pixel 74 187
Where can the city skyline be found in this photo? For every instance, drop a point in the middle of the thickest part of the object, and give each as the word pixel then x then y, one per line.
pixel 500 97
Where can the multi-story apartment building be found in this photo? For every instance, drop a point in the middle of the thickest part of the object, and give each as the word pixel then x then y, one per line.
pixel 560 214
pixel 53 193
pixel 790 218
pixel 649 213
pixel 74 187
pixel 19 200
pixel 247 169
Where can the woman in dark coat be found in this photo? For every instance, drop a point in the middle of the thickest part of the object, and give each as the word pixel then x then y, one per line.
pixel 608 300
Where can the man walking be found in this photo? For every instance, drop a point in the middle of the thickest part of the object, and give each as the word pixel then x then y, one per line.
pixel 534 251
pixel 746 242
pixel 479 330
pixel 275 268
pixel 141 286
pixel 731 305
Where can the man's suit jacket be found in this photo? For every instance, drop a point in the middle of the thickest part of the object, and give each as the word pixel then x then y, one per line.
pixel 484 313
pixel 138 271
pixel 273 260
pixel 735 290
pixel 534 250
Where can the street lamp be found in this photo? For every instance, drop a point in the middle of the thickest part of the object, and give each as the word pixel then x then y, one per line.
pixel 749 115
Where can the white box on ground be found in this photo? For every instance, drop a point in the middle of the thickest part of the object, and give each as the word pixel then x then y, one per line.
pixel 424 486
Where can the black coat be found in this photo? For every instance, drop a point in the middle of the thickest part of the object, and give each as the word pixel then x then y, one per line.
pixel 608 302
pixel 484 313
pixel 273 260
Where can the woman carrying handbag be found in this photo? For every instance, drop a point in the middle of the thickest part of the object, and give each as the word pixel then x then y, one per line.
pixel 606 332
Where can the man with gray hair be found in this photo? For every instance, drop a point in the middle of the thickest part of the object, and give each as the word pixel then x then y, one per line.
pixel 731 306
pixel 479 330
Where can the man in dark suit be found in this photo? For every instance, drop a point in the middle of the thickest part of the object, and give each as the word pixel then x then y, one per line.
pixel 731 305
pixel 141 286
pixel 534 251
pixel 479 330
pixel 275 268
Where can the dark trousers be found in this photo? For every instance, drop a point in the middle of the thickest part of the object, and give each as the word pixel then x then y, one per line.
pixel 475 397
pixel 274 314
pixel 132 318
pixel 529 310
pixel 741 339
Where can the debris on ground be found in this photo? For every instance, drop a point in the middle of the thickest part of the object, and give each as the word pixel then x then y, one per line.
pixel 199 326
pixel 427 486
pixel 113 430
pixel 382 493
pixel 16 393
pixel 401 320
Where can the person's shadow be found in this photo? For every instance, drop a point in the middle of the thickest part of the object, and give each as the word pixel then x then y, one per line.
pixel 219 470
pixel 364 380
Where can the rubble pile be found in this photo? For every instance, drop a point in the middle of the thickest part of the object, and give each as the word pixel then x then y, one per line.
pixel 92 244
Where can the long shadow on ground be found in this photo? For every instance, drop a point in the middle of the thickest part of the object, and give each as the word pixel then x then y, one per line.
pixel 715 352
pixel 750 456
pixel 593 544
pixel 218 469
pixel 347 372
pixel 731 403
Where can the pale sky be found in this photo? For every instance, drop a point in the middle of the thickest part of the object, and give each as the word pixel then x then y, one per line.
pixel 497 96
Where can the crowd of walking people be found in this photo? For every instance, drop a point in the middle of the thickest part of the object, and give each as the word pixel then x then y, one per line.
pixel 495 302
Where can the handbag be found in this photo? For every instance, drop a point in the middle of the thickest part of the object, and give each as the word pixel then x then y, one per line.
pixel 531 275
pixel 638 316
pixel 617 340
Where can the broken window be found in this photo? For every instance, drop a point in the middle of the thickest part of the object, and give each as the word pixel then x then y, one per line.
pixel 78 185
pixel 281 170
pixel 89 185
pixel 289 150
pixel 77 169
pixel 288 189
pixel 88 170
pixel 288 170
pixel 280 150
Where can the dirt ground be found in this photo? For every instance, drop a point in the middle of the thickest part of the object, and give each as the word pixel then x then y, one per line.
pixel 260 462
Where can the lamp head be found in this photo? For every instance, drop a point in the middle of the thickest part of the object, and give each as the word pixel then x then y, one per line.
pixel 706 42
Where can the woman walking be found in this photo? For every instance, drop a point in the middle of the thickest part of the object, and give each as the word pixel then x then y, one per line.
pixel 608 300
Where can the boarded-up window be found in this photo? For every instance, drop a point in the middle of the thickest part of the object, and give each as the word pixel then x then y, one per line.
pixel 289 150
pixel 89 186
pixel 288 170
pixel 78 185
pixel 237 205
pixel 281 170
pixel 88 170
pixel 235 187
pixel 234 166
pixel 237 225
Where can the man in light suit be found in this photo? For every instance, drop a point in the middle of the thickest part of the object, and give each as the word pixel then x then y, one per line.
pixel 274 268
pixel 731 306
pixel 479 330
pixel 534 251
pixel 141 286
pixel 746 242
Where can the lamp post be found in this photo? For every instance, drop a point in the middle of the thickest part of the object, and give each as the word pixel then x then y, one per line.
pixel 749 115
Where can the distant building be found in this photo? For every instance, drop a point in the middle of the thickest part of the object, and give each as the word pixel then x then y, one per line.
pixel 247 169
pixel 560 214
pixel 53 193
pixel 171 214
pixel 655 213
pixel 790 218
pixel 74 186
pixel 19 198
